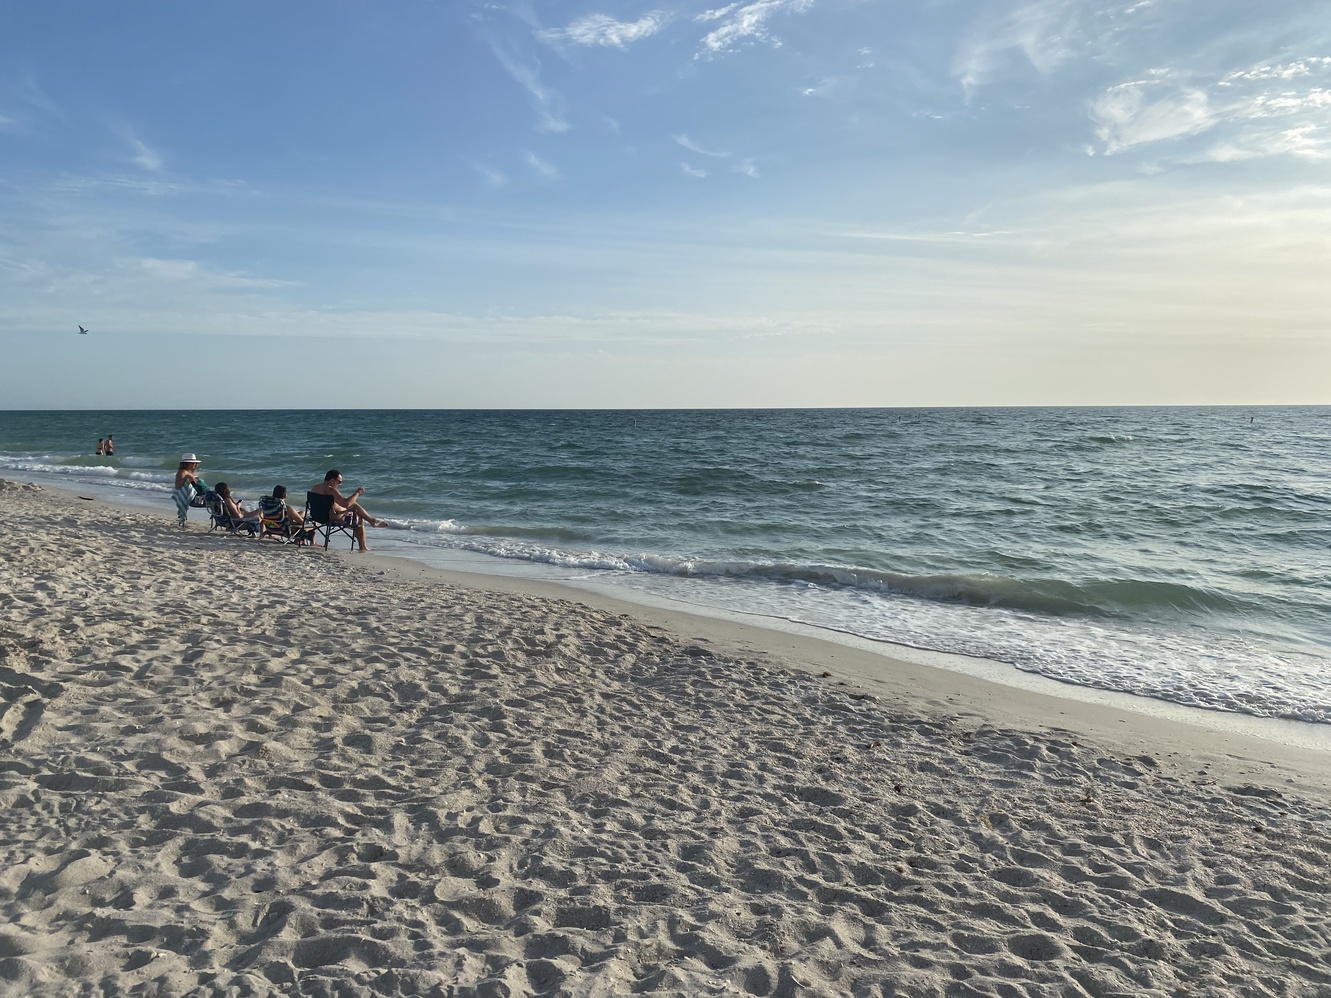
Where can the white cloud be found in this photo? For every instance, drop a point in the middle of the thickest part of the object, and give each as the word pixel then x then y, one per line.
pixel 1255 112
pixel 546 170
pixel 715 15
pixel 601 29
pixel 745 21
pixel 692 170
pixel 200 276
pixel 144 156
pixel 1304 142
pixel 692 146
pixel 1046 32
pixel 1288 71
pixel 1126 116
pixel 1272 105
pixel 26 105
pixel 747 167
pixel 549 103
pixel 492 177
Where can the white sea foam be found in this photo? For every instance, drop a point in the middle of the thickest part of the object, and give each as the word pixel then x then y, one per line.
pixel 1105 654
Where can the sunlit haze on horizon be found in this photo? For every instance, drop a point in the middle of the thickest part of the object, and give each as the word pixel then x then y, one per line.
pixel 765 203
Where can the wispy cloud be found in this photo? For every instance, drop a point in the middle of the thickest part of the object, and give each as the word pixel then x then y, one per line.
pixel 1304 142
pixel 549 103
pixel 1267 110
pixel 24 102
pixel 144 156
pixel 546 170
pixel 692 146
pixel 201 276
pixel 1045 32
pixel 748 167
pixel 493 178
pixel 1288 71
pixel 740 22
pixel 1131 114
pixel 603 30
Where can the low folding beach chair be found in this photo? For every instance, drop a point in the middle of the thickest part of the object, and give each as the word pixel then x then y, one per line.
pixel 275 520
pixel 189 495
pixel 220 519
pixel 320 518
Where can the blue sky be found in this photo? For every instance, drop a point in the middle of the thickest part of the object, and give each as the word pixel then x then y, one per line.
pixel 772 202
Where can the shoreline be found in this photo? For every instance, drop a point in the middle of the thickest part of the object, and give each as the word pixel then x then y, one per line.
pixel 870 661
pixel 1276 759
pixel 228 766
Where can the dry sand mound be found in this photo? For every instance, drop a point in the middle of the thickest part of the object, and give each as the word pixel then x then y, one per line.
pixel 229 767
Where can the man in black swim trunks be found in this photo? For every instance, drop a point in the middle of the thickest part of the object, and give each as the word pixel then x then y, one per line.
pixel 347 508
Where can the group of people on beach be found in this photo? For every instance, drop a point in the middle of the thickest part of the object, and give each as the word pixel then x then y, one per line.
pixel 346 510
pixel 106 447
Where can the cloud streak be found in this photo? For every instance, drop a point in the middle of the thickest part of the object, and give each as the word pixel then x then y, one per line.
pixel 745 22
pixel 144 156
pixel 1046 33
pixel 200 276
pixel 1268 110
pixel 604 31
pixel 549 104
pixel 547 171
pixel 692 146
pixel 1130 115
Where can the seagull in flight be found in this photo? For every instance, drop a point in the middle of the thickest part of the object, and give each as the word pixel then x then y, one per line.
pixel 83 331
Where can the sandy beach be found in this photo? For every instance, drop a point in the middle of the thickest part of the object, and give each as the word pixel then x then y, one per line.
pixel 230 767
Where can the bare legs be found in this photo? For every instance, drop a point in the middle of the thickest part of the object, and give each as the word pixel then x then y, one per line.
pixel 364 514
pixel 363 517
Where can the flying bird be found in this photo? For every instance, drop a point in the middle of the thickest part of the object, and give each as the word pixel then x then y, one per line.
pixel 83 331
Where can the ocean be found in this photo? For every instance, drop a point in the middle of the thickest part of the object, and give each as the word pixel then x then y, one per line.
pixel 1181 554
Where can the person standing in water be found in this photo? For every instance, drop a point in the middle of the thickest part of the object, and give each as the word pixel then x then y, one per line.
pixel 101 447
pixel 110 445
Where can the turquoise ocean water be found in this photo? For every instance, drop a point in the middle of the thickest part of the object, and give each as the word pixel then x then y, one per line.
pixel 1176 553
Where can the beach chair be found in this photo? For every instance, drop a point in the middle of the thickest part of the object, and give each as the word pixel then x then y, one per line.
pixel 275 520
pixel 189 495
pixel 184 498
pixel 320 518
pixel 220 519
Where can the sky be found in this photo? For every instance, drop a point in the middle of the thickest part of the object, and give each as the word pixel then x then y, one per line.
pixel 477 203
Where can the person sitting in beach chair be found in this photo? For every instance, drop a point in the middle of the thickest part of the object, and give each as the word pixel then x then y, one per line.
pixel 329 511
pixel 189 488
pixel 277 519
pixel 226 512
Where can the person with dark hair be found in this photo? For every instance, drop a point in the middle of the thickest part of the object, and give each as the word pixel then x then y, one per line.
pixel 232 507
pixel 110 448
pixel 346 509
pixel 275 513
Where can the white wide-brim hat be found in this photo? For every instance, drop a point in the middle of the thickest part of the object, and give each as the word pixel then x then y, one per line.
pixel 188 458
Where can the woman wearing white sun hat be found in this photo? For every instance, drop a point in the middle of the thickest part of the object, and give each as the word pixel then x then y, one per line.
pixel 187 483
